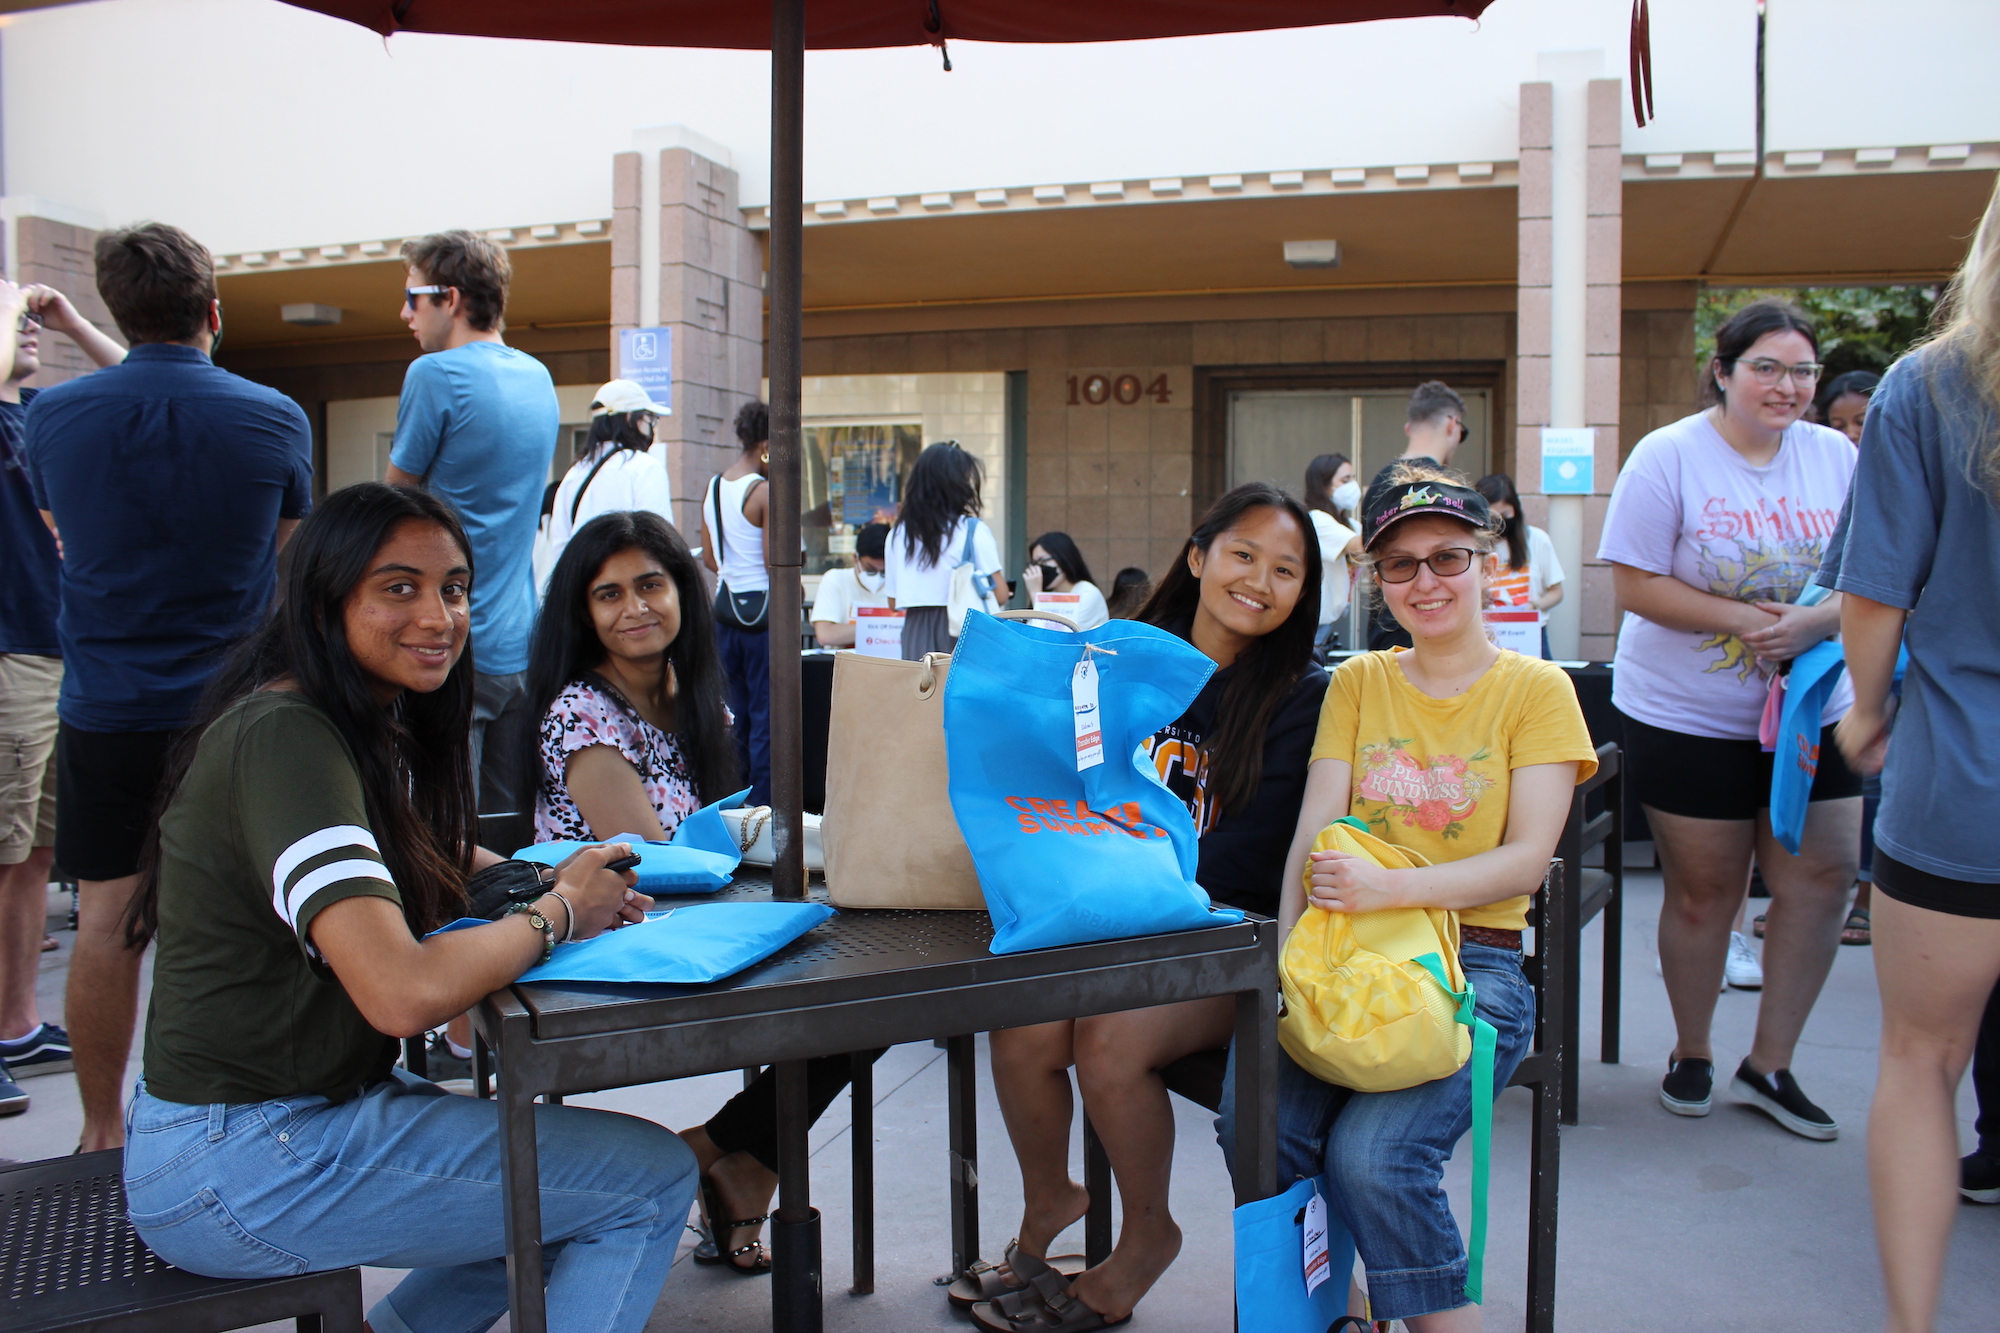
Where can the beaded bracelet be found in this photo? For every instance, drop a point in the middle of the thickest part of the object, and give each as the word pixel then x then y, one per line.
pixel 541 923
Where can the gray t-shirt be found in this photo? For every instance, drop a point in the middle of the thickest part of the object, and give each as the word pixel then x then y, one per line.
pixel 1913 508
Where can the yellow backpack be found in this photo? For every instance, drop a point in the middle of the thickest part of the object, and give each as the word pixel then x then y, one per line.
pixel 1378 1002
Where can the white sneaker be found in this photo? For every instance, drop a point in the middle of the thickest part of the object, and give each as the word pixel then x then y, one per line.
pixel 1743 970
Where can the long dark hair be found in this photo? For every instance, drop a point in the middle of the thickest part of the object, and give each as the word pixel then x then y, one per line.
pixel 620 429
pixel 1498 487
pixel 567 647
pixel 943 488
pixel 414 757
pixel 1268 668
pixel 1319 482
pixel 1063 550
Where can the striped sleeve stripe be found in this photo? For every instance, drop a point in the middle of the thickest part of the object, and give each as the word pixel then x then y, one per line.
pixel 313 882
pixel 317 844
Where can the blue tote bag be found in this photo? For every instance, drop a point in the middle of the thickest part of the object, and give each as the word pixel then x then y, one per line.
pixel 701 858
pixel 1294 1262
pixel 1071 851
pixel 683 946
pixel 1795 761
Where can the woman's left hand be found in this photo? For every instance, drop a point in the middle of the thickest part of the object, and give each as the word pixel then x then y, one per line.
pixel 1341 882
pixel 1797 629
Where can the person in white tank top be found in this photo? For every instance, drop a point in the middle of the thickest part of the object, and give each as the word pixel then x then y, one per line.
pixel 735 546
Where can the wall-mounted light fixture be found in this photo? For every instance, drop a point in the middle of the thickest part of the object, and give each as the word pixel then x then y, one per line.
pixel 310 314
pixel 1312 254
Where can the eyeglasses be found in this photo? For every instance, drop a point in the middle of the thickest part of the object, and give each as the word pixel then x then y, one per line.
pixel 1445 563
pixel 411 294
pixel 30 321
pixel 1769 372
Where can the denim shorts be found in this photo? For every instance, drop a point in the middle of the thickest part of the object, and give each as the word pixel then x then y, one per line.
pixel 1383 1153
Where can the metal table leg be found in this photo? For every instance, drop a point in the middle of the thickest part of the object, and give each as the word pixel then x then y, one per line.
pixel 1097 1180
pixel 1256 1175
pixel 520 1179
pixel 962 1098
pixel 861 1098
pixel 795 1249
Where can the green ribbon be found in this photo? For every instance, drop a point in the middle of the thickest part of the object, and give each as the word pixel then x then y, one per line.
pixel 1484 1042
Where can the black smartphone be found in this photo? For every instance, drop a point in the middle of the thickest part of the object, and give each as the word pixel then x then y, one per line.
pixel 623 863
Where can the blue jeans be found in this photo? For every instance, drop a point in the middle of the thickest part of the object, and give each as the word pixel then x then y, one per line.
pixel 1384 1152
pixel 746 674
pixel 407 1176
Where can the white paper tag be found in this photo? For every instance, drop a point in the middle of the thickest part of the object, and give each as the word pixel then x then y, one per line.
pixel 1089 730
pixel 1316 1261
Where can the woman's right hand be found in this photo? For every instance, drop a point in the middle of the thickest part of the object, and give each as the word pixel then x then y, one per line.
pixel 1863 737
pixel 1032 576
pixel 602 899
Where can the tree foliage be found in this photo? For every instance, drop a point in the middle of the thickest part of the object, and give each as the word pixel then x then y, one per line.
pixel 1860 328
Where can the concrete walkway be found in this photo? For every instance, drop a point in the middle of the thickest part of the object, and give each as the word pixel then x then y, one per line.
pixel 1725 1223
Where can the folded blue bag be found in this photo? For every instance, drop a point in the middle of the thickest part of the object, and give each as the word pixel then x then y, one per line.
pixel 1279 1241
pixel 701 858
pixel 1069 856
pixel 688 946
pixel 1814 675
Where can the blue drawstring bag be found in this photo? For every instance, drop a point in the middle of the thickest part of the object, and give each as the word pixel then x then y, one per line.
pixel 1795 760
pixel 1273 1258
pixel 683 946
pixel 1068 856
pixel 701 858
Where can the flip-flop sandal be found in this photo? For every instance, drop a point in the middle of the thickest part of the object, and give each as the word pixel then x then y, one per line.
pixel 717 1257
pixel 1856 924
pixel 986 1282
pixel 1044 1305
pixel 1757 926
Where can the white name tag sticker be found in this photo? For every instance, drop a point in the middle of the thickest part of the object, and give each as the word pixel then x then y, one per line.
pixel 1089 729
pixel 1317 1264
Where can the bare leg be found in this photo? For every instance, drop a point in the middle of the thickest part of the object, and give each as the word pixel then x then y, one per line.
pixel 101 1007
pixel 24 910
pixel 1031 1079
pixel 1705 864
pixel 1465 1319
pixel 1802 932
pixel 1118 1059
pixel 1935 971
pixel 743 1184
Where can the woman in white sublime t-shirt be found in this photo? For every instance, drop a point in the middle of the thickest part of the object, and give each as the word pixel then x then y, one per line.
pixel 1716 525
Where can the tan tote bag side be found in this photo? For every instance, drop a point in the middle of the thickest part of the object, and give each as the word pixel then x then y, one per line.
pixel 888 835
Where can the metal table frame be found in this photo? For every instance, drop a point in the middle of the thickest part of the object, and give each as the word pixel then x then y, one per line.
pixel 860 980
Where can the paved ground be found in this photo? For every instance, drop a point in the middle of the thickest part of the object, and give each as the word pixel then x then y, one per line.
pixel 1725 1223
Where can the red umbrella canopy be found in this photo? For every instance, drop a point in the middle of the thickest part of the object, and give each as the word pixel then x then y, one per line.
pixel 838 24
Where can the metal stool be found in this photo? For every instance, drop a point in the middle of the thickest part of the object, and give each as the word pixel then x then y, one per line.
pixel 70 1260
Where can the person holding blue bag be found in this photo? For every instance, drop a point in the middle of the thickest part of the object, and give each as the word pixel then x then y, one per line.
pixel 1245 593
pixel 319 826
pixel 634 738
pixel 1465 755
pixel 937 531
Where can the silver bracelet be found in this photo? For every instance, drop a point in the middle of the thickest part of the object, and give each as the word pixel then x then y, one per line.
pixel 569 929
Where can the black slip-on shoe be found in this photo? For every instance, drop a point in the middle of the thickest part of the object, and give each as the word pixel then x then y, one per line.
pixel 1979 1178
pixel 1689 1087
pixel 1777 1095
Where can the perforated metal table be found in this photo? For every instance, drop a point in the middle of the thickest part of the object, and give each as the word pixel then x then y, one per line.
pixel 858 981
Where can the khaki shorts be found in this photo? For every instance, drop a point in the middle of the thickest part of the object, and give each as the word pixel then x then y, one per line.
pixel 28 690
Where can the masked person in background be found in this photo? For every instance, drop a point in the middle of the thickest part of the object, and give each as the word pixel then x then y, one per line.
pixel 842 590
pixel 1055 565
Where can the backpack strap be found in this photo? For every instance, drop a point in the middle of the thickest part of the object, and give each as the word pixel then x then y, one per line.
pixel 715 493
pixel 1485 1043
pixel 577 503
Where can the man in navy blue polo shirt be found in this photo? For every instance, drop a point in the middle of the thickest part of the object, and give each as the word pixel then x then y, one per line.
pixel 170 484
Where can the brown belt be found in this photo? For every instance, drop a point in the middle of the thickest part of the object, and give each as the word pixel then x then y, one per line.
pixel 1491 938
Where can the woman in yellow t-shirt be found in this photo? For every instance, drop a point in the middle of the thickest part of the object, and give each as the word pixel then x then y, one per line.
pixel 1467 755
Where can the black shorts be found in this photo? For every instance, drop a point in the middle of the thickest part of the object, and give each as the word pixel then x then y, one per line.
pixel 106 786
pixel 1703 777
pixel 1920 888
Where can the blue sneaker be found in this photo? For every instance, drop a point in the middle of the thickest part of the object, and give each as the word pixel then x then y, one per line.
pixel 13 1101
pixel 43 1051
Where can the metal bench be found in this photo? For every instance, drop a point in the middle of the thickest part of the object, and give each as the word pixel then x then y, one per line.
pixel 71 1261
pixel 1598 889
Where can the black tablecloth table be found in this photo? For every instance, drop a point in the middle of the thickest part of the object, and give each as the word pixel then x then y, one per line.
pixel 858 981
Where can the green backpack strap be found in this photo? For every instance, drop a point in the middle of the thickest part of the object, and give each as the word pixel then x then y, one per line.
pixel 1485 1040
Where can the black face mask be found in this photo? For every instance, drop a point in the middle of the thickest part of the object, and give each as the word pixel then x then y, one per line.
pixel 1050 573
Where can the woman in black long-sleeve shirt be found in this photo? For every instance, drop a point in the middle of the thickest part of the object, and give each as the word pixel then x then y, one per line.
pixel 1246 593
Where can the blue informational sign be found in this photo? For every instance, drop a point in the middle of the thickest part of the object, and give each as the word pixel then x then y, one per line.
pixel 646 357
pixel 1569 461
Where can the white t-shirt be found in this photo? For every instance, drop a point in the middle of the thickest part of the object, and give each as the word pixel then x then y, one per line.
pixel 913 583
pixel 630 479
pixel 1088 611
pixel 1688 505
pixel 1333 579
pixel 841 590
pixel 1521 587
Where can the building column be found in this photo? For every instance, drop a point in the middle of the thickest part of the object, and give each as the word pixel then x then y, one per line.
pixel 681 258
pixel 1569 278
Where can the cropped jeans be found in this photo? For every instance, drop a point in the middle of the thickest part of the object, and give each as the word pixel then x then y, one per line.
pixel 1383 1153
pixel 407 1176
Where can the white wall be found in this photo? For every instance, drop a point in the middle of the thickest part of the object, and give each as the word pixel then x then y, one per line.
pixel 257 125
pixel 1859 74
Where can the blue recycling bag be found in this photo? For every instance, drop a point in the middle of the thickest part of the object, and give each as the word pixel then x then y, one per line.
pixel 701 858
pixel 1069 857
pixel 1272 1261
pixel 1814 675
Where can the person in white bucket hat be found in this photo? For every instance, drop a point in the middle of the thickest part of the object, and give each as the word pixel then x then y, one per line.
pixel 618 468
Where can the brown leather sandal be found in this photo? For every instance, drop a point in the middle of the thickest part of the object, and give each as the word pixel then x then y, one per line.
pixel 1044 1305
pixel 988 1282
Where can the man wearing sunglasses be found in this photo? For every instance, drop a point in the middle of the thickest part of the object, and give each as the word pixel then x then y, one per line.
pixel 477 425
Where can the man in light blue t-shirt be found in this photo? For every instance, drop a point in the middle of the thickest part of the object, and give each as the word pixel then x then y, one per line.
pixel 478 425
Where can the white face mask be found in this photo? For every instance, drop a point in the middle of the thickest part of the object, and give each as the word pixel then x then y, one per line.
pixel 872 582
pixel 1347 496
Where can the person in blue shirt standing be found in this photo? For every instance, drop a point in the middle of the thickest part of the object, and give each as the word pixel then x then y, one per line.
pixel 170 484
pixel 30 678
pixel 477 425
